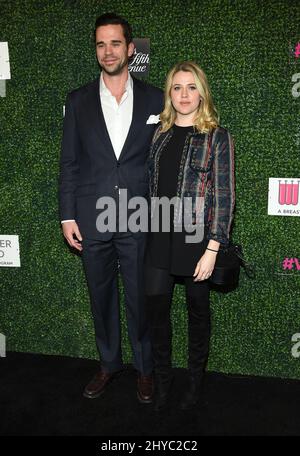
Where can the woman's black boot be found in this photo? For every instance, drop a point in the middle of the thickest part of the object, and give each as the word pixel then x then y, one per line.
pixel 198 345
pixel 191 396
pixel 163 384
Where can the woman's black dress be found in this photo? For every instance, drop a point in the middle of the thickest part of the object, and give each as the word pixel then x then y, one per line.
pixel 169 250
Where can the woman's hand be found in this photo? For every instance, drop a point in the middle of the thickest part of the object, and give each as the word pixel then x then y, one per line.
pixel 205 266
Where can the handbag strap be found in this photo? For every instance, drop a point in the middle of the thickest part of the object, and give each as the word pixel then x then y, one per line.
pixel 248 267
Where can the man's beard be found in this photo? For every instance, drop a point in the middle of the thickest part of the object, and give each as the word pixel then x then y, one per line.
pixel 117 70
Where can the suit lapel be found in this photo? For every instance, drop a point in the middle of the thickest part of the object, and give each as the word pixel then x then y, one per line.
pixel 97 118
pixel 138 107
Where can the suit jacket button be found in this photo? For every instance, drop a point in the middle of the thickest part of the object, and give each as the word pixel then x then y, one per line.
pixel 118 164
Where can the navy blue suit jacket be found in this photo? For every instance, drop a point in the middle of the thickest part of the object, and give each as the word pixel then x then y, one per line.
pixel 89 168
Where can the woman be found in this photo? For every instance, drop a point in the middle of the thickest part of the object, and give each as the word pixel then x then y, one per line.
pixel 191 158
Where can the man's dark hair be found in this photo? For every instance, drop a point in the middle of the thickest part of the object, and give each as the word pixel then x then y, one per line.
pixel 114 19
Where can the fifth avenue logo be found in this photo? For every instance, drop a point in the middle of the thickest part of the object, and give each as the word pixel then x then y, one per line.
pixel 139 65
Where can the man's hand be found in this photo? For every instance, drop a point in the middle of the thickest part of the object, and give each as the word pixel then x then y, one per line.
pixel 69 230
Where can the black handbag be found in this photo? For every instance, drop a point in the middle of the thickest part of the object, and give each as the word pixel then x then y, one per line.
pixel 227 267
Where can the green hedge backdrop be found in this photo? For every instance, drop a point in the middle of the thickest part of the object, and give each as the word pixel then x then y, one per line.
pixel 245 49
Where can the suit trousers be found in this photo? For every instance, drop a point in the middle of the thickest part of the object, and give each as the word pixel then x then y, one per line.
pixel 102 262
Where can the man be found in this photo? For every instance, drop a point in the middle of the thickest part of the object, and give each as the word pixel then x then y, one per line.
pixel 105 147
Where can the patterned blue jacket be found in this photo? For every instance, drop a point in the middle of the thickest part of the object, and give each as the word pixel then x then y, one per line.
pixel 206 171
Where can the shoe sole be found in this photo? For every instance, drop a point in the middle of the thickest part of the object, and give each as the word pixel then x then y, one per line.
pixel 94 396
pixel 144 401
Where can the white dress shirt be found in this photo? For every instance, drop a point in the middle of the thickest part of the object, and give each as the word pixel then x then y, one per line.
pixel 117 116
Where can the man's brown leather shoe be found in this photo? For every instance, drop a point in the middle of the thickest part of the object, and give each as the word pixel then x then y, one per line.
pixel 145 388
pixel 98 384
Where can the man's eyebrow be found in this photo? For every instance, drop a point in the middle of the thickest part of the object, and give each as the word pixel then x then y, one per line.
pixel 112 41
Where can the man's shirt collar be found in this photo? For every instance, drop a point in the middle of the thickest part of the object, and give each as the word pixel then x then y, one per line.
pixel 106 92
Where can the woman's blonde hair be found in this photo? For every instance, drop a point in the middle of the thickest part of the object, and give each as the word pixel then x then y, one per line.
pixel 206 117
